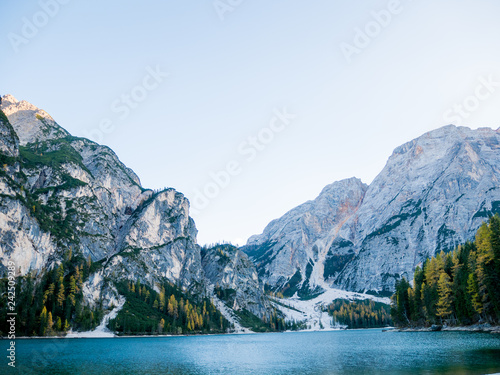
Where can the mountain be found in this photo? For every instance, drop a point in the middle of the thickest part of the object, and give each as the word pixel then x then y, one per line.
pixel 235 277
pixel 432 195
pixel 63 195
pixel 69 201
pixel 290 253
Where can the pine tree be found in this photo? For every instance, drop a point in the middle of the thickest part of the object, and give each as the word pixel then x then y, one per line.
pixel 71 300
pixel 72 284
pixel 447 264
pixel 445 296
pixel 50 323
pixel 182 310
pixel 173 307
pixel 79 278
pixel 494 227
pixel 474 293
pixel 60 272
pixel 69 254
pixel 49 293
pixel 485 270
pixel 60 294
pixel 162 298
pixel 400 310
pixel 161 325
pixel 418 279
pixel 462 304
pixel 43 322
pixel 432 269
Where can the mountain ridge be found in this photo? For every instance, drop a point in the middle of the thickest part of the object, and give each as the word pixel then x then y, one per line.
pixel 439 168
pixel 62 193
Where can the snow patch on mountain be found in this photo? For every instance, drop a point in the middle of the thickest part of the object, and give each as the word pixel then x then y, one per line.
pixel 101 330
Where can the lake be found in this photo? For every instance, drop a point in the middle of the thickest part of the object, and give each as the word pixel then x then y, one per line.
pixel 333 352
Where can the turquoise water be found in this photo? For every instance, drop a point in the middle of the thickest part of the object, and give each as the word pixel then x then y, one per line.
pixel 338 352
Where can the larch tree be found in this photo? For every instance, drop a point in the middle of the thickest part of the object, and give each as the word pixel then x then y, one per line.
pixel 43 321
pixel 60 293
pixel 445 300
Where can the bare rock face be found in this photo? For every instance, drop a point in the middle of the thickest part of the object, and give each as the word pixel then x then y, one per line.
pixel 158 241
pixel 230 270
pixel 432 195
pixel 290 254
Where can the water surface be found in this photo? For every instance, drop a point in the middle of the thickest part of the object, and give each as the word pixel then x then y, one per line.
pixel 338 352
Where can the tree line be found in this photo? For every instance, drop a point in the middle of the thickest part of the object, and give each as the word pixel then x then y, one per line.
pixel 360 314
pixel 51 303
pixel 461 287
pixel 166 310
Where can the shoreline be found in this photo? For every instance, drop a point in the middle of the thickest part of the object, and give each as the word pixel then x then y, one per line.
pixel 472 328
pixel 481 328
pixel 119 337
pixel 183 335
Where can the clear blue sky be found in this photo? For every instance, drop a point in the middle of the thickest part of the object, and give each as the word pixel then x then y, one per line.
pixel 227 77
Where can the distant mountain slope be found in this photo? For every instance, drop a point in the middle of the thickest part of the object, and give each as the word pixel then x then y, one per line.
pixel 433 194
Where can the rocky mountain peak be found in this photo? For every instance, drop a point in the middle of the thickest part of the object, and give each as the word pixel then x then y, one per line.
pixel 30 123
pixel 8 98
pixel 433 194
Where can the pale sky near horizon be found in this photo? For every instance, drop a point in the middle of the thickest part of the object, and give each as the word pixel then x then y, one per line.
pixel 287 96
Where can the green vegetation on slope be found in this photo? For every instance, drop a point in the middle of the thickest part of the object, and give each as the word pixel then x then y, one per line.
pixel 458 288
pixel 46 204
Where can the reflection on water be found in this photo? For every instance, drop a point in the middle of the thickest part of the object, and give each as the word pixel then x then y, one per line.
pixel 342 352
